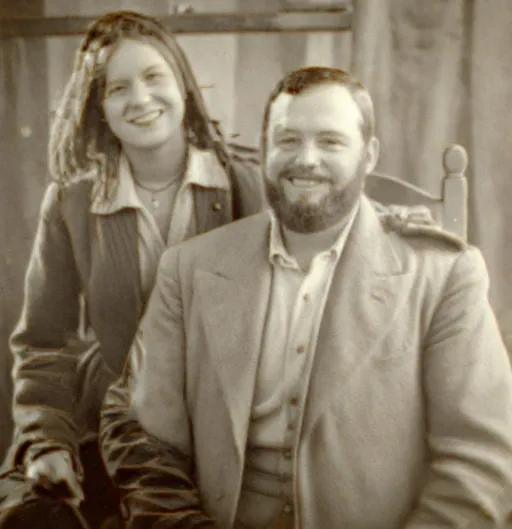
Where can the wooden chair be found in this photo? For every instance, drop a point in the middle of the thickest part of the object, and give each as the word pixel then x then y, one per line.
pixel 449 208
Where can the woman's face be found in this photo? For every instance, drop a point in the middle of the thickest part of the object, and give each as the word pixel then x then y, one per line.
pixel 143 101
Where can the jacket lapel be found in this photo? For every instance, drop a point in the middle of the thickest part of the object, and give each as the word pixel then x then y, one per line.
pixel 114 284
pixel 234 299
pixel 367 289
pixel 212 208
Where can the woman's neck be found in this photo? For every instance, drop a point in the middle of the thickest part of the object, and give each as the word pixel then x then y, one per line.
pixel 158 166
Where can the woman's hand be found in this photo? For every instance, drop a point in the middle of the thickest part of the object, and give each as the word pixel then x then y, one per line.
pixel 53 473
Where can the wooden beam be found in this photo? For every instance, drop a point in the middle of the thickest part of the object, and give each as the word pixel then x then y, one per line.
pixel 189 23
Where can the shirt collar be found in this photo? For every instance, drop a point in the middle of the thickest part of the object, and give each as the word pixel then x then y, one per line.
pixel 278 254
pixel 203 170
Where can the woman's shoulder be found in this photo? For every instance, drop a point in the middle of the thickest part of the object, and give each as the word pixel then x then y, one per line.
pixel 244 154
pixel 73 193
pixel 247 179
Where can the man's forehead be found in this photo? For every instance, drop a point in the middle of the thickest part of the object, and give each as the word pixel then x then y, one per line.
pixel 280 106
pixel 325 98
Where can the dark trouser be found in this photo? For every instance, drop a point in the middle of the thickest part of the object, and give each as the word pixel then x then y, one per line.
pixel 20 508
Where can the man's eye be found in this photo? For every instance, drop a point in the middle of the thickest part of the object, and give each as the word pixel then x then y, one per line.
pixel 332 142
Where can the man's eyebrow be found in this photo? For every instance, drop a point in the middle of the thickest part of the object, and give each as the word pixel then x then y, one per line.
pixel 330 132
pixel 281 128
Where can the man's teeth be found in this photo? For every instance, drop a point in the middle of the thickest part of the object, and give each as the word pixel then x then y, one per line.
pixel 304 182
pixel 147 118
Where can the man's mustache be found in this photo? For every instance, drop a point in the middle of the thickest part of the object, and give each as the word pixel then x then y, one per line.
pixel 300 172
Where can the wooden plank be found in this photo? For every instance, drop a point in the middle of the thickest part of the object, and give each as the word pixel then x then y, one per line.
pixel 258 68
pixel 281 21
pixel 23 82
pixel 213 59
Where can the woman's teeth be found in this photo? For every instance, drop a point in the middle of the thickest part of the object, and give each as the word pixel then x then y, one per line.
pixel 147 119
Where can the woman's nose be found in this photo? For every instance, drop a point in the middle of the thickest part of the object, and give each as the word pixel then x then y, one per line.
pixel 140 93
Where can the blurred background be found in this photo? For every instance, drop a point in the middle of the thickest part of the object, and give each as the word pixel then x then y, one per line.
pixel 440 72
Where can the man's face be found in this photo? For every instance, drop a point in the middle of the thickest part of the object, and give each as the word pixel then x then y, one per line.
pixel 316 157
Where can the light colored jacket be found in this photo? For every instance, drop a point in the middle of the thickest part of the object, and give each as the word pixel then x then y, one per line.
pixel 408 421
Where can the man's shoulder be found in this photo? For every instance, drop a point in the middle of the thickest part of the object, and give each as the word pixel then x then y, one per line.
pixel 430 250
pixel 231 232
pixel 221 242
pixel 416 227
pixel 423 245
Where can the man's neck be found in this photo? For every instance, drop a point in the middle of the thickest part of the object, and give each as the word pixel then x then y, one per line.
pixel 304 246
pixel 158 166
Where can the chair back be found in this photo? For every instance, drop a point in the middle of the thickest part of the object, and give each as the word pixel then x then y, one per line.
pixel 449 207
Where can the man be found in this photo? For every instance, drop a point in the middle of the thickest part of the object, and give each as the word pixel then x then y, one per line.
pixel 308 367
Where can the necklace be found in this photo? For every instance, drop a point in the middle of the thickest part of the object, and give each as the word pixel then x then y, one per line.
pixel 153 192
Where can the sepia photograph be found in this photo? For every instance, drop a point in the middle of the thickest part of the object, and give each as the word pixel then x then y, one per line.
pixel 254 264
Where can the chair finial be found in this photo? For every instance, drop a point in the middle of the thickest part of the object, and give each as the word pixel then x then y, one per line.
pixel 455 159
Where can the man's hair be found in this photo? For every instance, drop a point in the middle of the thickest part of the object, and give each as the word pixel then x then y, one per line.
pixel 80 138
pixel 299 80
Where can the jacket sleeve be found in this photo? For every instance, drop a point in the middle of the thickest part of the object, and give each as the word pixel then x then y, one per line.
pixel 150 460
pixel 468 391
pixel 44 341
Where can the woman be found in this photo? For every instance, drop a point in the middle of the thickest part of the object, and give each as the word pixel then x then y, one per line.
pixel 138 166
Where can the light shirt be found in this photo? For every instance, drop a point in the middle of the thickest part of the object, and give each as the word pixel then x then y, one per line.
pixel 296 305
pixel 203 169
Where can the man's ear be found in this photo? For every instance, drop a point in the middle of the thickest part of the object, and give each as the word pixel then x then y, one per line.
pixel 372 154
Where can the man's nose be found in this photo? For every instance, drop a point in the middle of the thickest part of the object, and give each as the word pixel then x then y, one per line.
pixel 308 156
pixel 139 94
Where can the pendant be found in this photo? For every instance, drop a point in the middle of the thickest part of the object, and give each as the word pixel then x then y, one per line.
pixel 154 202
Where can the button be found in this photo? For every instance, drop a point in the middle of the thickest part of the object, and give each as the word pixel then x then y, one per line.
pixel 288 509
pixel 291 426
pixel 287 454
pixel 216 206
pixel 294 401
pixel 305 297
pixel 301 349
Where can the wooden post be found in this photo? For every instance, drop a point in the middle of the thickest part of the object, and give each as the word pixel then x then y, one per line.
pixel 455 190
pixel 213 58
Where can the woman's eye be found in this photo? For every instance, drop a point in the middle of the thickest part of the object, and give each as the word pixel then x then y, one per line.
pixel 287 141
pixel 116 89
pixel 154 76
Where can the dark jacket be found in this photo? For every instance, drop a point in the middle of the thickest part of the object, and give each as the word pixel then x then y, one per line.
pixel 84 271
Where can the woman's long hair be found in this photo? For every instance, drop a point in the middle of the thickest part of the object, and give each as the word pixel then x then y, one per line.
pixel 81 142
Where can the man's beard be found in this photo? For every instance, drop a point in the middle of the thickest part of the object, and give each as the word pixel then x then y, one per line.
pixel 302 217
